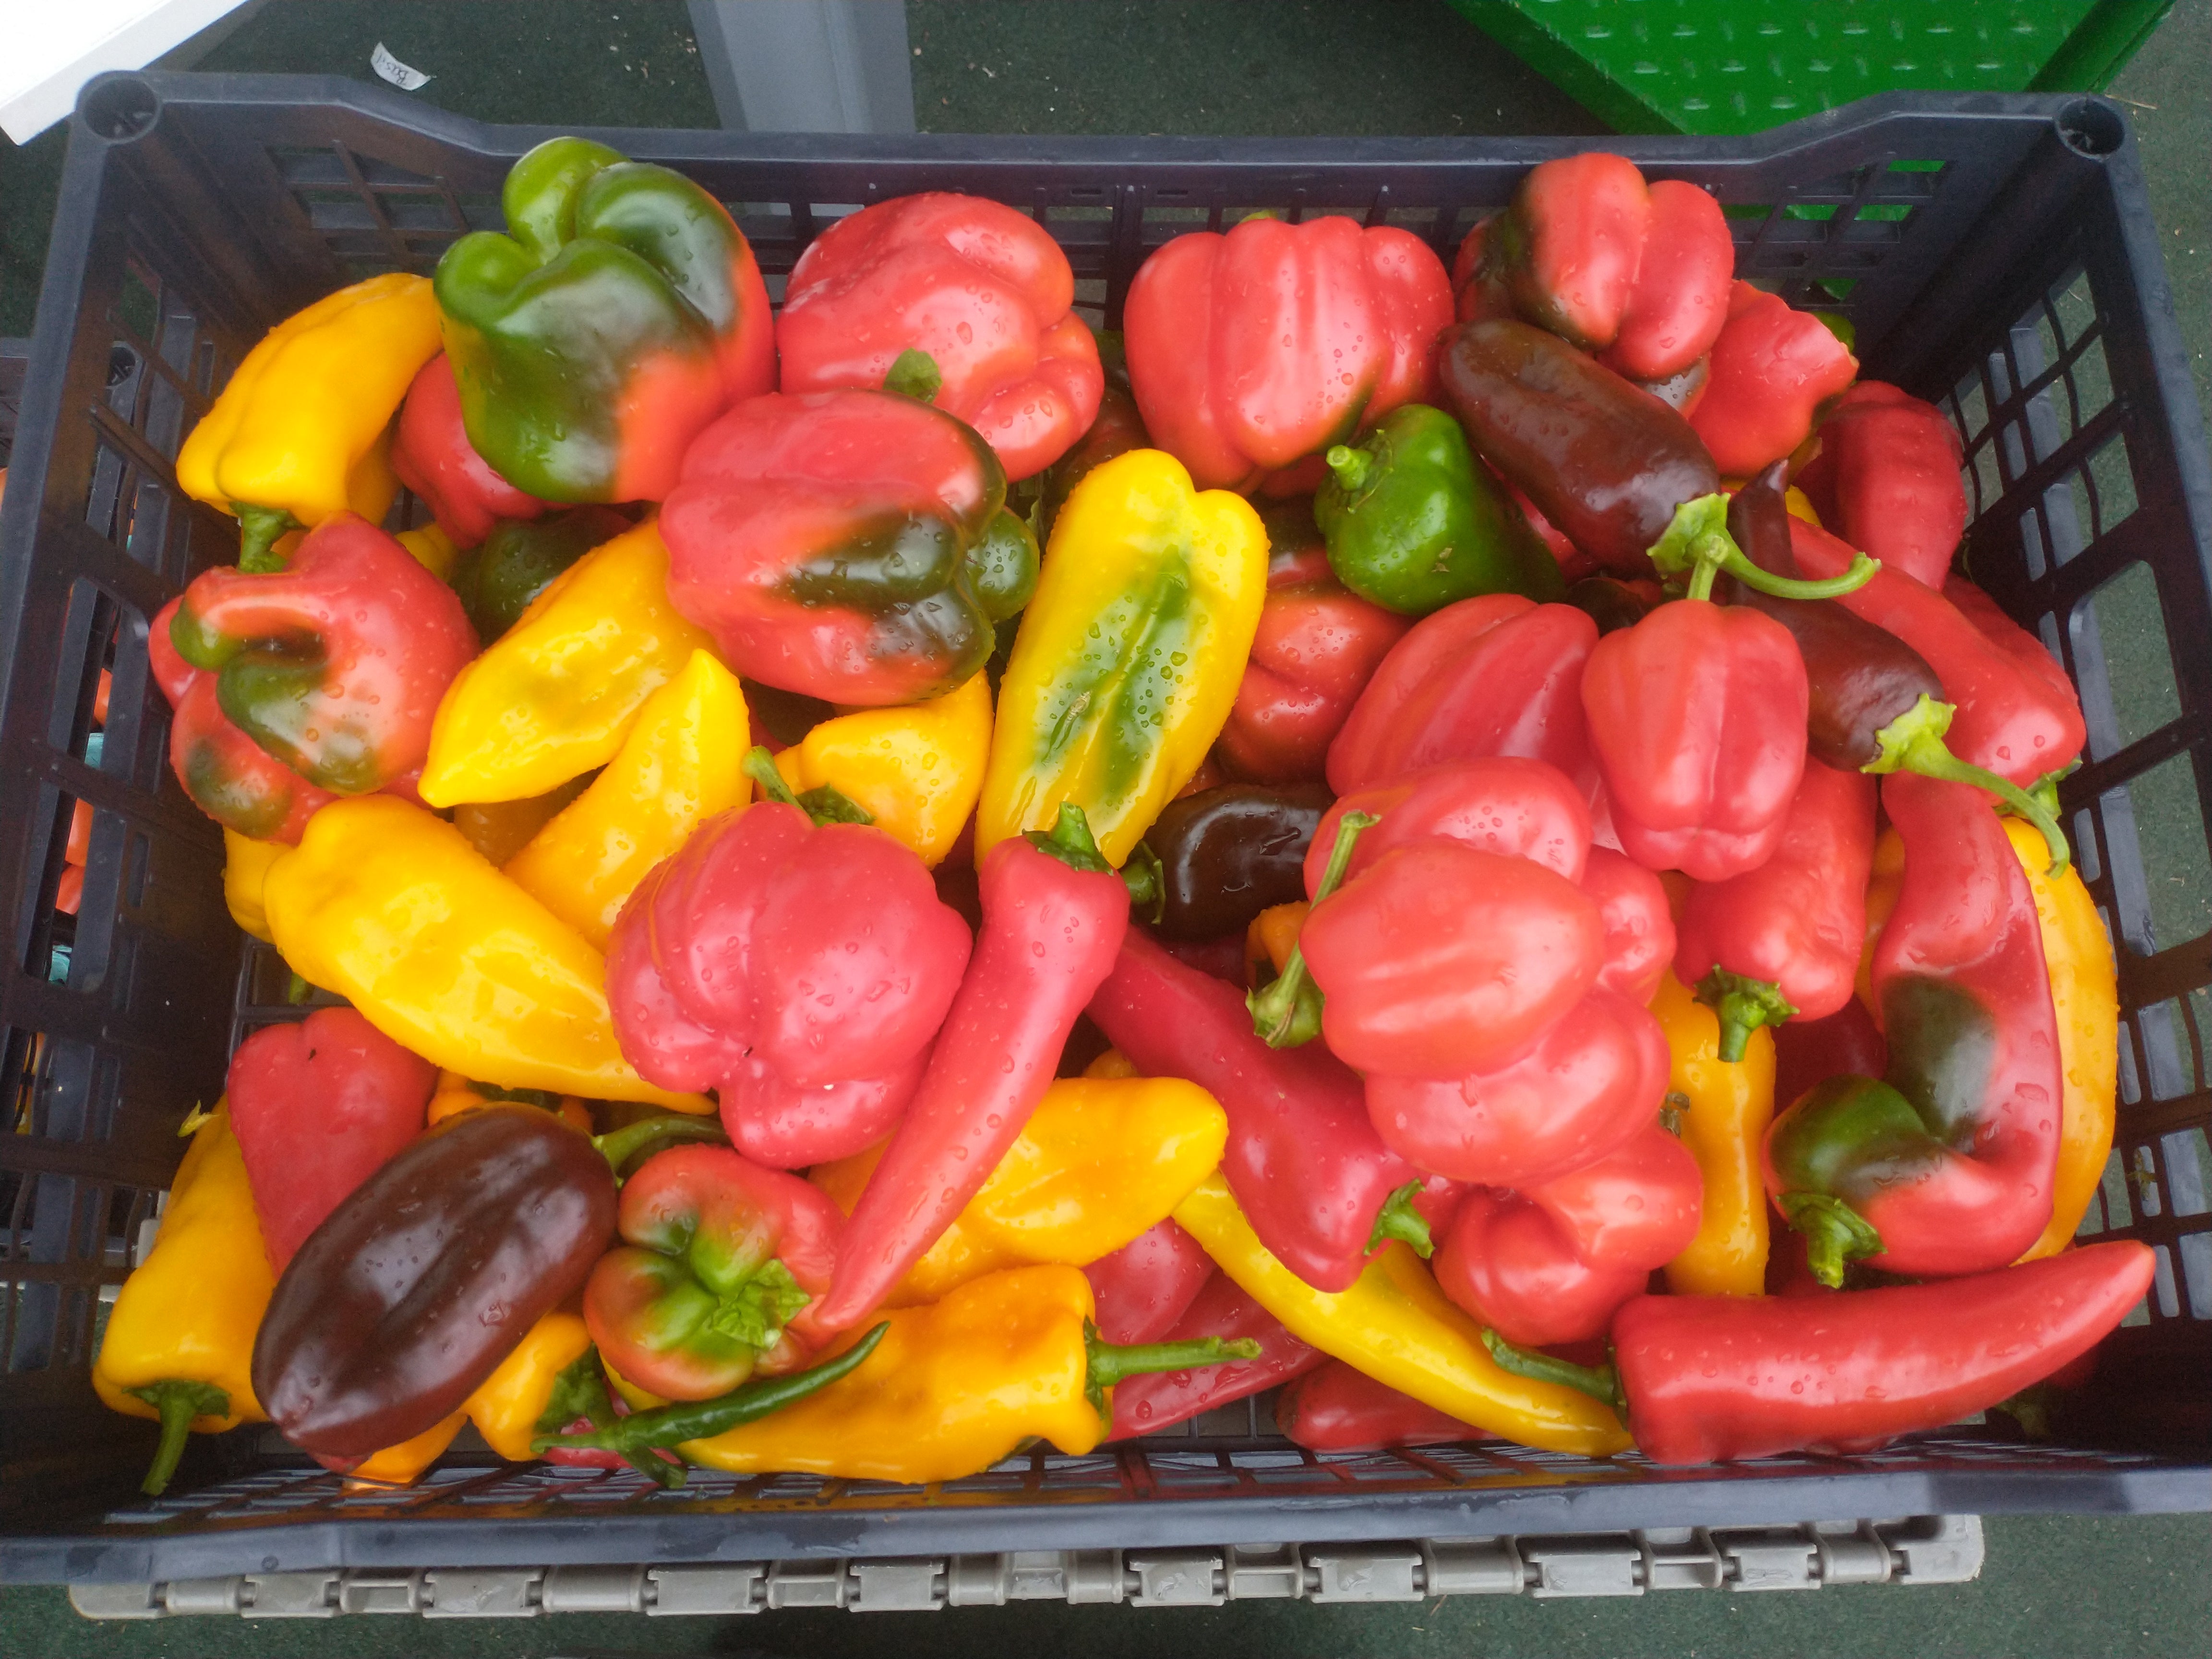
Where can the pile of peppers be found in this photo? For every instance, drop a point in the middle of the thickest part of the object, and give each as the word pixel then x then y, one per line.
pixel 874 884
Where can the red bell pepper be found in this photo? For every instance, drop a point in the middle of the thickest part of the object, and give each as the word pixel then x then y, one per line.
pixel 1783 941
pixel 1772 368
pixel 1567 248
pixel 981 289
pixel 1055 915
pixel 801 971
pixel 319 1107
pixel 1592 1080
pixel 1145 1287
pixel 1160 1399
pixel 1251 350
pixel 1496 675
pixel 1681 298
pixel 833 543
pixel 1513 807
pixel 1808 1051
pixel 1478 288
pixel 1336 1408
pixel 1887 479
pixel 1946 1167
pixel 1639 928
pixel 1510 1265
pixel 1710 1379
pixel 717 1255
pixel 333 668
pixel 433 457
pixel 1317 648
pixel 2017 715
pixel 1303 1161
pixel 1636 1207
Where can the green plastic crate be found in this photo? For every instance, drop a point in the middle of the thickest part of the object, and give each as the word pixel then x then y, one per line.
pixel 1711 66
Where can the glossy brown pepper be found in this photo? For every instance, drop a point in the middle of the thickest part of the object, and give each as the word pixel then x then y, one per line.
pixel 1229 853
pixel 416 1287
pixel 1604 461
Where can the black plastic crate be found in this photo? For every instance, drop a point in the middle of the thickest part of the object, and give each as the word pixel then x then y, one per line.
pixel 1997 254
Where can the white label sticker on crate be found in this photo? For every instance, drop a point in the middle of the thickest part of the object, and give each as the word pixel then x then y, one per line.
pixel 400 74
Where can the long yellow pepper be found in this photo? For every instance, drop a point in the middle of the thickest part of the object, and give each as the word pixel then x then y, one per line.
pixel 682 762
pixel 390 905
pixel 918 769
pixel 1396 1326
pixel 1724 1127
pixel 299 435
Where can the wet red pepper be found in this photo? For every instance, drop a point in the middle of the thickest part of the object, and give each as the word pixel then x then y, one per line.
pixel 1639 928
pixel 1887 479
pixel 1252 351
pixel 1636 1207
pixel 1772 368
pixel 319 1107
pixel 1145 1287
pixel 1680 301
pixel 1147 1404
pixel 433 457
pixel 1054 916
pixel 1337 1408
pixel 1504 804
pixel 981 288
pixel 1510 1266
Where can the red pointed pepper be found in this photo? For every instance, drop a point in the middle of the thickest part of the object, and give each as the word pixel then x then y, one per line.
pixel 332 668
pixel 1887 479
pixel 1783 941
pixel 1147 1286
pixel 717 1255
pixel 800 970
pixel 319 1107
pixel 1251 350
pixel 1496 675
pixel 1147 1404
pixel 1772 368
pixel 1055 915
pixel 1336 1408
pixel 1945 1165
pixel 1303 1161
pixel 433 457
pixel 981 289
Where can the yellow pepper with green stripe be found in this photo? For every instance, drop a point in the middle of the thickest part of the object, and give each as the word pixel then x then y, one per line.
pixel 918 769
pixel 300 434
pixel 389 906
pixel 1128 657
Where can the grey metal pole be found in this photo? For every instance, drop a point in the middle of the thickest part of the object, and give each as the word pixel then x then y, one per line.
pixel 807 65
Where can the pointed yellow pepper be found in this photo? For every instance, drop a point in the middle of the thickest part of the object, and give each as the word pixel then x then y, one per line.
pixel 1724 1127
pixel 919 769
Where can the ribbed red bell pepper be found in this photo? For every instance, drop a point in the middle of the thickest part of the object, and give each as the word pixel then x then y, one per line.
pixel 1711 1378
pixel 800 970
pixel 1145 1287
pixel 1772 368
pixel 1504 804
pixel 1887 479
pixel 1496 675
pixel 1251 350
pixel 1160 1399
pixel 981 288
pixel 1318 646
pixel 433 457
pixel 1680 301
pixel 1636 1207
pixel 317 1107
pixel 1511 1268
pixel 1303 1159
pixel 2017 715
pixel 1639 928
pixel 1783 941
pixel 1055 915
pixel 1336 1408
pixel 1945 1166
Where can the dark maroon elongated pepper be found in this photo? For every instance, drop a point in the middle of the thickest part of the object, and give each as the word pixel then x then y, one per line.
pixel 415 1288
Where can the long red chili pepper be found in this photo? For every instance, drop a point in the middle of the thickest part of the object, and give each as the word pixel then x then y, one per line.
pixel 1055 914
pixel 1147 1284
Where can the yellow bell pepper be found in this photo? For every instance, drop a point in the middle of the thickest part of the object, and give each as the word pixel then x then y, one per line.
pixel 178 1345
pixel 390 907
pixel 1130 655
pixel 1724 1127
pixel 246 864
pixel 2085 993
pixel 300 434
pixel 1101 1160
pixel 507 1403
pixel 683 762
pixel 1396 1326
pixel 555 695
pixel 919 769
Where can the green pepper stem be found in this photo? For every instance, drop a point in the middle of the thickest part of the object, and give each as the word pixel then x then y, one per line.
pixel 258 527
pixel 1743 1004
pixel 1398 1219
pixel 179 1403
pixel 914 373
pixel 1146 879
pixel 1350 466
pixel 824 804
pixel 1111 1363
pixel 1696 543
pixel 1071 841
pixel 1600 1382
pixel 1913 742
pixel 1836 1234
pixel 619 1147
pixel 1288 1013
